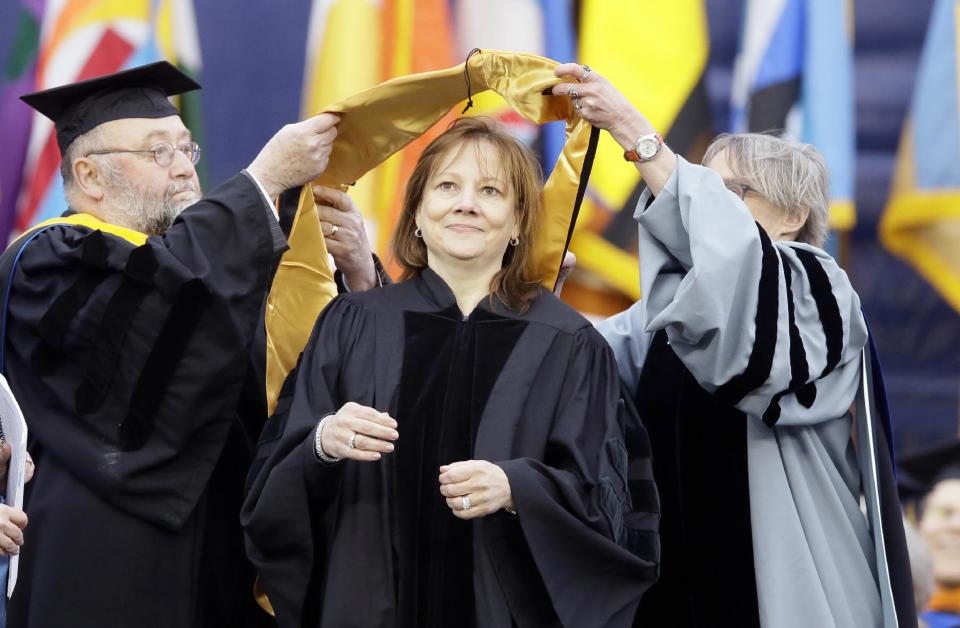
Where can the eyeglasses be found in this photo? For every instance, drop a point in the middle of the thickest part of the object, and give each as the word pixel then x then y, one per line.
pixel 740 189
pixel 163 152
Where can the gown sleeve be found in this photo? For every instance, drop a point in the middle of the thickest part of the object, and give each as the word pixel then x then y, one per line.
pixel 588 509
pixel 288 486
pixel 626 334
pixel 773 328
pixel 128 360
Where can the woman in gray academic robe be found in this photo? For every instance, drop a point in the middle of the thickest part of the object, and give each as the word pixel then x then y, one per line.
pixel 745 357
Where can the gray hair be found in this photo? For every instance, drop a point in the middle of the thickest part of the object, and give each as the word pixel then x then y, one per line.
pixel 791 175
pixel 78 149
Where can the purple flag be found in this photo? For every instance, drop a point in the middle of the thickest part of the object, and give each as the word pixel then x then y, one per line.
pixel 19 77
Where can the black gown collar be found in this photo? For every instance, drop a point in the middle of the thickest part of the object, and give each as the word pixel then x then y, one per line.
pixel 438 293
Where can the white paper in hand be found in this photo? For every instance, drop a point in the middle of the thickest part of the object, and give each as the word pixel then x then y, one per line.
pixel 15 433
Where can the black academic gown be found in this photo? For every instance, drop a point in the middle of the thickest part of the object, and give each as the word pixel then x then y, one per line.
pixel 349 543
pixel 128 363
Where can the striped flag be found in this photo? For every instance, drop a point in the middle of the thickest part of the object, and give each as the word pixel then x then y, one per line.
pixel 79 39
pixel 406 51
pixel 343 58
pixel 655 52
pixel 175 39
pixel 355 44
pixel 560 44
pixel 15 116
pixel 921 223
pixel 794 71
pixel 515 25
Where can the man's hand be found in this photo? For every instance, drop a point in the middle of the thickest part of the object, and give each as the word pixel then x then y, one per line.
pixel 5 453
pixel 343 230
pixel 296 155
pixel 478 484
pixel 12 523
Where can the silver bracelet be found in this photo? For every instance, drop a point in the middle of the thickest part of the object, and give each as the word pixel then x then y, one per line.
pixel 318 447
pixel 510 510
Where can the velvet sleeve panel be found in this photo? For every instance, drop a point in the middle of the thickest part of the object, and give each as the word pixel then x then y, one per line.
pixel 288 487
pixel 595 549
pixel 128 360
pixel 773 328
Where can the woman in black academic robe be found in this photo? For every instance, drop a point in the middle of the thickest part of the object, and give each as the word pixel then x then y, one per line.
pixel 451 450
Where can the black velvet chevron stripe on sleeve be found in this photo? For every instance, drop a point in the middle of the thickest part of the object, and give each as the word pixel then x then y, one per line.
pixel 192 300
pixel 765 340
pixel 101 358
pixel 799 370
pixel 827 307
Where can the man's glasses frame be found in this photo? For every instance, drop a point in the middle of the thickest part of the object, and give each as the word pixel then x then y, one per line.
pixel 163 153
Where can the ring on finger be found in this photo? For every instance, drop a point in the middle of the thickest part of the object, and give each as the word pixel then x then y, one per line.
pixel 573 93
pixel 352 441
pixel 586 72
pixel 333 230
pixel 465 503
pixel 577 105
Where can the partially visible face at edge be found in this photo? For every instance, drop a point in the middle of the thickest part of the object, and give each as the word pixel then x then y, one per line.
pixel 940 527
pixel 468 210
pixel 148 195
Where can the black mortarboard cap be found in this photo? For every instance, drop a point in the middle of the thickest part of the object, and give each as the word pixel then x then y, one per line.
pixel 139 92
pixel 922 469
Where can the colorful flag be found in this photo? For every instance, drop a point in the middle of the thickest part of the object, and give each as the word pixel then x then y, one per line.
pixel 343 57
pixel 655 52
pixel 79 39
pixel 560 44
pixel 18 78
pixel 921 223
pixel 355 44
pixel 515 25
pixel 175 39
pixel 407 51
pixel 794 72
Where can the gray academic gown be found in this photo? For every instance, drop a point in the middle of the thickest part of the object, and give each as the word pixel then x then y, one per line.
pixel 701 259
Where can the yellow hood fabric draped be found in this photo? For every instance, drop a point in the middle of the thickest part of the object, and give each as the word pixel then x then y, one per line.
pixel 302 287
pixel 382 120
pixel 90 221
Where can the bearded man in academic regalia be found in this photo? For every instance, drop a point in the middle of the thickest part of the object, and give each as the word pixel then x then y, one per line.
pixel 133 325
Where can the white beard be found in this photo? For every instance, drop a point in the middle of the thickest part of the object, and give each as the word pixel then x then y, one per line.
pixel 150 214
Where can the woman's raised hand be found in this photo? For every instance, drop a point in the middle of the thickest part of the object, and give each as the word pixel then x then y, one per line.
pixel 601 104
pixel 358 432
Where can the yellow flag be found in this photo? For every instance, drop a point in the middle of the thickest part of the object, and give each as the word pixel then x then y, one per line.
pixel 655 52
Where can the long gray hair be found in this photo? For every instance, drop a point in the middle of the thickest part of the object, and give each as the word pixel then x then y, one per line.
pixel 791 175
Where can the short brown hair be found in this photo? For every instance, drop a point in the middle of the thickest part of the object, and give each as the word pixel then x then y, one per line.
pixel 516 283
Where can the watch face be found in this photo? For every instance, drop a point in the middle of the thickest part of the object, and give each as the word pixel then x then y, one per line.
pixel 648 148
